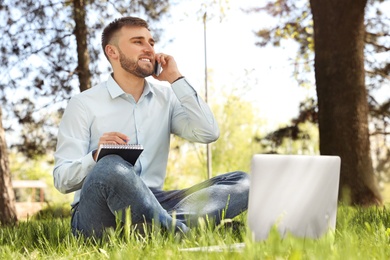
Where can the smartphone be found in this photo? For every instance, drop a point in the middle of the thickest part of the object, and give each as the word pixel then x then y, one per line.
pixel 157 69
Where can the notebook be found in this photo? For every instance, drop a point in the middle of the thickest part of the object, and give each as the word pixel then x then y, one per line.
pixel 295 194
pixel 129 152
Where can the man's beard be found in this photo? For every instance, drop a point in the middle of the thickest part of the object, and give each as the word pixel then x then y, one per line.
pixel 132 66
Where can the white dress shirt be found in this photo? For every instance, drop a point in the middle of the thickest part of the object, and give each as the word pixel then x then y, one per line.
pixel 160 111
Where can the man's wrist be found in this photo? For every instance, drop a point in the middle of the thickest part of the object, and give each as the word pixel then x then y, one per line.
pixel 179 78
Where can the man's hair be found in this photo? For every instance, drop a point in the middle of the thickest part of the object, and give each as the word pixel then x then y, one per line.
pixel 116 25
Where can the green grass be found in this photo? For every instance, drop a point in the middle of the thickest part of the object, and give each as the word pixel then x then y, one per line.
pixel 360 234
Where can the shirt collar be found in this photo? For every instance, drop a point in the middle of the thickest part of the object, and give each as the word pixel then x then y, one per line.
pixel 148 89
pixel 115 90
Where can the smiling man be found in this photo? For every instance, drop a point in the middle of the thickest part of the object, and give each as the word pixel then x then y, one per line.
pixel 129 109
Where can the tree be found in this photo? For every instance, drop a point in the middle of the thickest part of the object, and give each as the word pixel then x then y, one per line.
pixel 46 48
pixel 341 106
pixel 7 198
pixel 81 33
pixel 339 33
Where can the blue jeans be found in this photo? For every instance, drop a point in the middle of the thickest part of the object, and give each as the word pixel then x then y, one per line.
pixel 113 186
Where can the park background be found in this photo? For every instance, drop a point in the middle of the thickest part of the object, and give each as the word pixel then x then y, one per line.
pixel 254 89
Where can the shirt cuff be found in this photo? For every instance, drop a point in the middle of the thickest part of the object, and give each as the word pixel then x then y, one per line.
pixel 182 88
pixel 88 160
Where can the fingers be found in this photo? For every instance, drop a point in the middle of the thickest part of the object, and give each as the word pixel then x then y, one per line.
pixel 170 70
pixel 163 58
pixel 113 138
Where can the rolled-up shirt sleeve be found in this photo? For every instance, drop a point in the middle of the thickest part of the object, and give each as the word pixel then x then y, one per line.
pixel 73 160
pixel 192 118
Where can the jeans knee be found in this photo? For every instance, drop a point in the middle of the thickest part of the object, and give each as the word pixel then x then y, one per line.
pixel 242 178
pixel 242 175
pixel 245 178
pixel 110 160
pixel 112 169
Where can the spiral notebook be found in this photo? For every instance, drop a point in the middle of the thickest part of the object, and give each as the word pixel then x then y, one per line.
pixel 129 152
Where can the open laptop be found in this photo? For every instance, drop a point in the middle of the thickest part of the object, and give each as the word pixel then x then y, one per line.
pixel 296 194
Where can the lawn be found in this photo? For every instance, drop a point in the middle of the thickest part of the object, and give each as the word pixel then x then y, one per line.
pixel 360 234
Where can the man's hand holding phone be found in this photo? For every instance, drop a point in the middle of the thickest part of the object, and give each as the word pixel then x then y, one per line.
pixel 169 72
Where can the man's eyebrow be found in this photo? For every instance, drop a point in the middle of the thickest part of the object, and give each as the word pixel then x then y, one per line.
pixel 142 38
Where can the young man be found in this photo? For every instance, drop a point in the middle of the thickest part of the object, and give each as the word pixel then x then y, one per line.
pixel 128 109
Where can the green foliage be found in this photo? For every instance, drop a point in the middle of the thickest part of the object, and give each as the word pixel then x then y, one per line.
pixel 361 233
pixel 23 168
pixel 52 211
pixel 293 140
pixel 186 164
pixel 39 168
pixel 242 135
pixel 239 123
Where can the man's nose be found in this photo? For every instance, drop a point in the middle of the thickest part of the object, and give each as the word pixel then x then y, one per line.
pixel 149 48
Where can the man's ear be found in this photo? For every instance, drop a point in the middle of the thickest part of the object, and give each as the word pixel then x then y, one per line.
pixel 111 51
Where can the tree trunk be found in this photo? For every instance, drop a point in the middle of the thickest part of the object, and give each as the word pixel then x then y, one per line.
pixel 81 34
pixel 342 97
pixel 7 195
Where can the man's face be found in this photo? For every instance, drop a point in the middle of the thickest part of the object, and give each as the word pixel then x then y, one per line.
pixel 136 51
